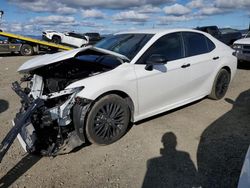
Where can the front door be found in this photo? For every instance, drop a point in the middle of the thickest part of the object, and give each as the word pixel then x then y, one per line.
pixel 167 84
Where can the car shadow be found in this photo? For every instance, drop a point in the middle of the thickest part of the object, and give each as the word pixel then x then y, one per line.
pixel 18 170
pixel 172 169
pixel 9 54
pixel 84 145
pixel 243 65
pixel 4 105
pixel 223 145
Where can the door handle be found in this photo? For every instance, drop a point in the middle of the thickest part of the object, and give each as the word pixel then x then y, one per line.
pixel 215 58
pixel 186 65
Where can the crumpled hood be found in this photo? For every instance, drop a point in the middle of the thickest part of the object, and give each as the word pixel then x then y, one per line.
pixel 53 58
pixel 243 41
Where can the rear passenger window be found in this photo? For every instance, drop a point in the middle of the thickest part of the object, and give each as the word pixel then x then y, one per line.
pixel 195 44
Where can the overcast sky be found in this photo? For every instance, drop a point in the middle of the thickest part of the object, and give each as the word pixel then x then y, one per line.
pixel 109 16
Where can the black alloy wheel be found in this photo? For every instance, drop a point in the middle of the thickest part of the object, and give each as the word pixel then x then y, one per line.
pixel 108 120
pixel 221 84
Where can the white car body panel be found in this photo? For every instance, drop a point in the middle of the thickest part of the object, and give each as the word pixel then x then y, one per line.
pixel 146 88
pixel 163 81
pixel 53 58
pixel 73 41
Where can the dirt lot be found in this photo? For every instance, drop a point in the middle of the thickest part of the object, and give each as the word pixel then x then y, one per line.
pixel 201 144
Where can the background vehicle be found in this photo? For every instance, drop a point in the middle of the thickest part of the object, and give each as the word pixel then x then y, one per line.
pixel 71 38
pixel 242 49
pixel 12 43
pixel 93 38
pixel 226 35
pixel 93 93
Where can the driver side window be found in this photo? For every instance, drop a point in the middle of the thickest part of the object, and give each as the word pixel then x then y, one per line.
pixel 170 46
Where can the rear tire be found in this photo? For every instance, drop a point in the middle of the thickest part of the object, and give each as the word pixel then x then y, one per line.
pixel 220 85
pixel 26 50
pixel 108 120
pixel 56 39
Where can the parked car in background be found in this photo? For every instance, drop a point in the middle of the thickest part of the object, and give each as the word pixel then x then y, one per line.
pixel 93 37
pixel 242 48
pixel 94 93
pixel 226 35
pixel 71 38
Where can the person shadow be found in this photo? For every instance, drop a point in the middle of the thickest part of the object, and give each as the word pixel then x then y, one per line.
pixel 172 169
pixel 224 144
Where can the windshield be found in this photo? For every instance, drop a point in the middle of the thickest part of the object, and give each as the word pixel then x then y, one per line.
pixel 126 44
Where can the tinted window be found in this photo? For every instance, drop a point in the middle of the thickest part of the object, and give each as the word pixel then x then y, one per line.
pixel 195 44
pixel 105 60
pixel 210 44
pixel 125 44
pixel 169 46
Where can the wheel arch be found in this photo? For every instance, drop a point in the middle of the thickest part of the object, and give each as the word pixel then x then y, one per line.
pixel 56 35
pixel 227 68
pixel 123 95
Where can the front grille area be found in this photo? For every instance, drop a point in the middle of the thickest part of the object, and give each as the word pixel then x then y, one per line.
pixel 246 52
pixel 247 47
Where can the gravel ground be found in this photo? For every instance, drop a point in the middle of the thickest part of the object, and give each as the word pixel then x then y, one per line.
pixel 200 144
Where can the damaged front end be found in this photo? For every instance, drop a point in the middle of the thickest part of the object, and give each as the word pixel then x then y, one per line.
pixel 44 123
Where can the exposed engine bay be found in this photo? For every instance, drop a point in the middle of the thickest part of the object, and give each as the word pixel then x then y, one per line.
pixel 45 120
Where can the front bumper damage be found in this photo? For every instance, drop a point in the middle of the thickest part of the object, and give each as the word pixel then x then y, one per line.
pixel 43 130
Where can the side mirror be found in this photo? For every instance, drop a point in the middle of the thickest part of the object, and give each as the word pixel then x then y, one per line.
pixel 155 59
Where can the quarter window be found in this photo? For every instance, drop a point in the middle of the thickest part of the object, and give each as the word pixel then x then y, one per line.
pixel 211 45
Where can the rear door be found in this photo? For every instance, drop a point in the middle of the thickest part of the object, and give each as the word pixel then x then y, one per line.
pixel 201 54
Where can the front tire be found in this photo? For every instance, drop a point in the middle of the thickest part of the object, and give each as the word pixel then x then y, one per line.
pixel 220 85
pixel 107 120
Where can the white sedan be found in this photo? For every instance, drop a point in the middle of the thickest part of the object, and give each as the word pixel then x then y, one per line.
pixel 93 93
pixel 69 38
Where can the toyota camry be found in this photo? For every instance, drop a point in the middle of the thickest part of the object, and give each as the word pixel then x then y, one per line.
pixel 92 94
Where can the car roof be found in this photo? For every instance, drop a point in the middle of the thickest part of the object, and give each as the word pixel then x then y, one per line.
pixel 159 31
